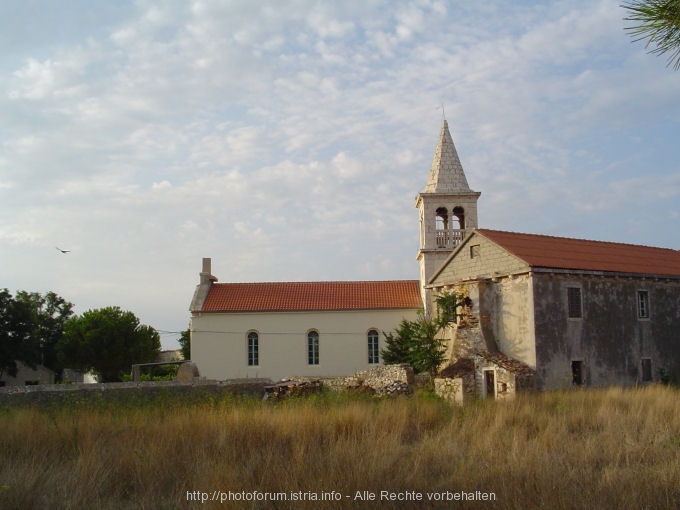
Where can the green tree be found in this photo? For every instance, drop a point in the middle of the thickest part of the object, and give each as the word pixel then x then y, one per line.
pixel 30 325
pixel 185 344
pixel 107 341
pixel 45 316
pixel 657 22
pixel 398 344
pixel 419 342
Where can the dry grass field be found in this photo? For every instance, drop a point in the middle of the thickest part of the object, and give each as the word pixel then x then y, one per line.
pixel 608 448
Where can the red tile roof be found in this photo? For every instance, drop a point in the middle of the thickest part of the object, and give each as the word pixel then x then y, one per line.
pixel 313 296
pixel 580 254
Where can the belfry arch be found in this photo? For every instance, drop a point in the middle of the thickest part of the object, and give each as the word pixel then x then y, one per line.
pixel 458 218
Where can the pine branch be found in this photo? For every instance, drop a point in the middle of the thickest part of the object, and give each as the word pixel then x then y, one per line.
pixel 657 22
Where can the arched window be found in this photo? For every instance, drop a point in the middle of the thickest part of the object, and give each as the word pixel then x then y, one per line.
pixel 441 227
pixel 253 349
pixel 373 352
pixel 313 348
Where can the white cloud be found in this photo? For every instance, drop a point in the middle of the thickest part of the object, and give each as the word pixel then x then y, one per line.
pixel 288 143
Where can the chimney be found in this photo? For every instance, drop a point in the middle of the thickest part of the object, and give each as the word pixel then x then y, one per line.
pixel 206 276
pixel 203 287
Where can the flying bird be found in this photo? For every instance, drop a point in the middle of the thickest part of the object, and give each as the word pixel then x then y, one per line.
pixel 63 251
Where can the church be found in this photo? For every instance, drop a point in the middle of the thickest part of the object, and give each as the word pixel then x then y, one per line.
pixel 565 311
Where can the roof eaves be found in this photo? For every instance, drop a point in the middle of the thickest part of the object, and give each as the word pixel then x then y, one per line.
pixel 591 272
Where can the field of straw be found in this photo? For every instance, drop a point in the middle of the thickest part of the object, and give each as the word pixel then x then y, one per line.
pixel 608 448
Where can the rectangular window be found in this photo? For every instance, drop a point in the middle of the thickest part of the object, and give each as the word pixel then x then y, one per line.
pixel 253 349
pixel 574 302
pixel 312 348
pixel 373 352
pixel 577 373
pixel 474 251
pixel 643 304
pixel 646 365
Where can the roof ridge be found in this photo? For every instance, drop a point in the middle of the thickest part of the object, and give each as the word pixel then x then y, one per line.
pixel 314 282
pixel 617 243
pixel 314 296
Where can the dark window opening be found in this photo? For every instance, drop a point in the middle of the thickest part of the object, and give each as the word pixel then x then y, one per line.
pixel 32 383
pixel 577 373
pixel 574 302
pixel 643 304
pixel 490 383
pixel 646 369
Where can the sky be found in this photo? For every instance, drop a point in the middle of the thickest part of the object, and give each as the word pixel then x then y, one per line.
pixel 288 140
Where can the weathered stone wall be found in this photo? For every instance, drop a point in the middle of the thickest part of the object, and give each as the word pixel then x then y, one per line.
pixel 380 376
pixel 506 315
pixel 488 261
pixel 450 389
pixel 468 341
pixel 457 390
pixel 128 392
pixel 609 339
pixel 380 380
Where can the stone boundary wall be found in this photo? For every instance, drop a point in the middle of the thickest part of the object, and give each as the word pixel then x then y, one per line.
pixel 126 392
pixel 450 389
pixel 380 380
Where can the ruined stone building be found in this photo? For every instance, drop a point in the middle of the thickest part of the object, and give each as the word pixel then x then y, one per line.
pixel 541 311
pixel 579 312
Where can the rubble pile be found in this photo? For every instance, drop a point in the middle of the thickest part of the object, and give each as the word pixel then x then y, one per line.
pixel 390 380
pixel 294 387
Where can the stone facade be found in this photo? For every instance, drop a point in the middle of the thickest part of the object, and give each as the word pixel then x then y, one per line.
pixel 623 329
pixel 614 345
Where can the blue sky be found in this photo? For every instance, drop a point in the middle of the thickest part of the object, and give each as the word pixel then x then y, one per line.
pixel 287 140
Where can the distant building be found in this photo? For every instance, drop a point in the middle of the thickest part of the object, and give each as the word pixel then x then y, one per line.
pixel 28 376
pixel 69 375
pixel 170 355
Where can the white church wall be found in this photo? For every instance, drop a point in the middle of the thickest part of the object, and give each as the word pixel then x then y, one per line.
pixel 219 344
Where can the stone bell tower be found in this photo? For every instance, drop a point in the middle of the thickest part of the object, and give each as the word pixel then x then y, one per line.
pixel 447 208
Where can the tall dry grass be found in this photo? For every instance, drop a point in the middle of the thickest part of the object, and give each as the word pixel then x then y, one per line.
pixel 583 449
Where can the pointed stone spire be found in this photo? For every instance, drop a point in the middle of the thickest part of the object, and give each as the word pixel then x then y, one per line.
pixel 446 173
